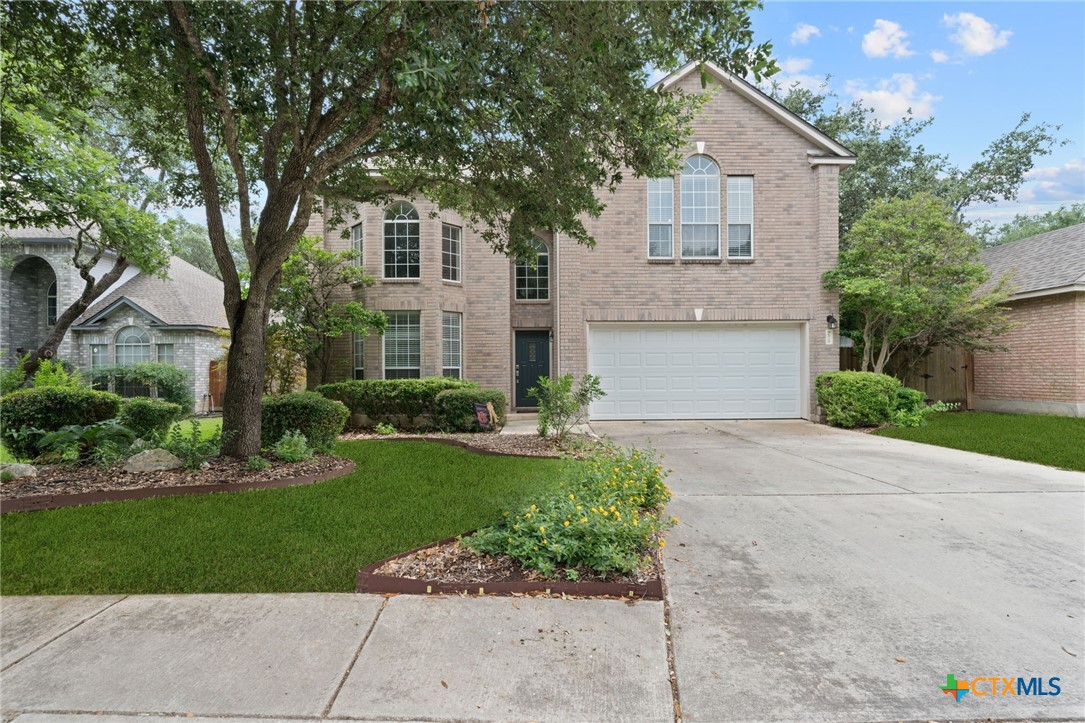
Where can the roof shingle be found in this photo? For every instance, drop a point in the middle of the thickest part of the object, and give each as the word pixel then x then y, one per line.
pixel 1047 261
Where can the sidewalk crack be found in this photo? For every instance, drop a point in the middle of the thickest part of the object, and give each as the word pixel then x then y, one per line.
pixel 353 660
pixel 62 634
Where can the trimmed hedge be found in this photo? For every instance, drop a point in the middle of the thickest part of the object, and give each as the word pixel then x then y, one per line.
pixel 150 419
pixel 321 420
pixel 49 409
pixel 857 399
pixel 382 400
pixel 169 381
pixel 454 409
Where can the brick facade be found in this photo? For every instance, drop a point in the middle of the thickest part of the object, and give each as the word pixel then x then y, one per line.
pixel 1043 370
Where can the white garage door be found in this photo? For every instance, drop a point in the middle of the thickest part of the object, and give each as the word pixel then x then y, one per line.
pixel 696 371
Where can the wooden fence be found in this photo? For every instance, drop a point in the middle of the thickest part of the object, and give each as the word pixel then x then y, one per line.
pixel 944 375
pixel 216 385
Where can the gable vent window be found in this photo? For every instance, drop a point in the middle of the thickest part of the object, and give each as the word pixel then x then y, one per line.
pixel 739 217
pixel 660 218
pixel 700 209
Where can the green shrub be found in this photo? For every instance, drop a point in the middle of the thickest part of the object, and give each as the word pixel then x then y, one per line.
pixel 454 409
pixel 561 408
pixel 606 515
pixel 292 447
pixel 856 399
pixel 193 448
pixel 56 373
pixel 256 463
pixel 150 419
pixel 911 410
pixel 321 420
pixel 104 443
pixel 14 378
pixel 382 400
pixel 49 409
pixel 169 382
pixel 384 429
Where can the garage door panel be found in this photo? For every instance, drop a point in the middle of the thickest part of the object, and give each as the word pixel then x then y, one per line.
pixel 710 372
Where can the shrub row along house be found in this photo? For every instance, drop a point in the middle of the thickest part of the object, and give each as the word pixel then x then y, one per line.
pixel 701 299
pixel 178 319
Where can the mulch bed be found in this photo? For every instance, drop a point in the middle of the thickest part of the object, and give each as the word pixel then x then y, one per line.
pixel 450 567
pixel 515 445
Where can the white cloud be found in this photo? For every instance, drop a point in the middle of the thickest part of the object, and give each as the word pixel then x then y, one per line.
pixel 1055 184
pixel 974 35
pixel 938 56
pixel 887 38
pixel 803 33
pixel 794 65
pixel 894 98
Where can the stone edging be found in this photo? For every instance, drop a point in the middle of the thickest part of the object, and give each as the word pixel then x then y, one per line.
pixel 48 502
pixel 458 443
pixel 369 582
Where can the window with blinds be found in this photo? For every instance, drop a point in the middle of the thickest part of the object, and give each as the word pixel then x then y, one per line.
pixel 700 208
pixel 452 344
pixel 403 345
pixel 739 217
pixel 660 218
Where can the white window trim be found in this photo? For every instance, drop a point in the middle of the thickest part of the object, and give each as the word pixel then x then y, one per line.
pixel 515 276
pixel 681 211
pixel 648 215
pixel 459 367
pixel 355 338
pixel 384 243
pixel 384 356
pixel 459 254
pixel 357 243
pixel 753 216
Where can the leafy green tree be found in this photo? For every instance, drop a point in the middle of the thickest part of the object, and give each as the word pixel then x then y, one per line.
pixel 517 115
pixel 891 162
pixel 1023 225
pixel 190 242
pixel 309 312
pixel 910 278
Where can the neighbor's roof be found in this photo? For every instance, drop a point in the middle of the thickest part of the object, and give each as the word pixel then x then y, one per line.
pixel 187 296
pixel 828 151
pixel 1049 263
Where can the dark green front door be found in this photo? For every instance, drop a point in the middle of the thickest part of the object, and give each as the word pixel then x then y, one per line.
pixel 532 362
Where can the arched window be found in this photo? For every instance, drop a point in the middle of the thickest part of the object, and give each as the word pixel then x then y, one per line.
pixel 533 279
pixel 133 345
pixel 51 303
pixel 401 249
pixel 700 208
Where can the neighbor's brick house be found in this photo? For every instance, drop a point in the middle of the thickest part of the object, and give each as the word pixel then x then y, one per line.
pixel 701 299
pixel 1043 369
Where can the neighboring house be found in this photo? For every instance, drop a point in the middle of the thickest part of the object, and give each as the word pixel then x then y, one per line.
pixel 702 298
pixel 1043 371
pixel 140 318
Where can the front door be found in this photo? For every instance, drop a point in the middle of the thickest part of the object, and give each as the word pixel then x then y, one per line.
pixel 532 362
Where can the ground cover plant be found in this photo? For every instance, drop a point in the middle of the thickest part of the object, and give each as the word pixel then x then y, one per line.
pixel 1044 439
pixel 308 538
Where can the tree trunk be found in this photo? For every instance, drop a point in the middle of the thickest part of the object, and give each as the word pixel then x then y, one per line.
pixel 241 405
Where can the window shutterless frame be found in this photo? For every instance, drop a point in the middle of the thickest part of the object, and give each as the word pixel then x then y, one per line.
pixel 740 203
pixel 661 218
pixel 357 244
pixel 533 281
pixel 402 243
pixel 700 209
pixel 452 344
pixel 402 353
pixel 451 256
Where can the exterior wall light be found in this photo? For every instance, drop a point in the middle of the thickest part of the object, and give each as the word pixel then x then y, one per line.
pixel 831 321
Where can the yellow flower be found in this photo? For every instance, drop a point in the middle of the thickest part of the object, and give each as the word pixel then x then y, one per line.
pixel 542 528
pixel 527 515
pixel 635 523
pixel 583 519
pixel 662 543
pixel 674 520
pixel 572 497
pixel 566 523
pixel 579 508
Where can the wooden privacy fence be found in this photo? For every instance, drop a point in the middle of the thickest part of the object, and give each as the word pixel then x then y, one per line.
pixel 216 386
pixel 943 375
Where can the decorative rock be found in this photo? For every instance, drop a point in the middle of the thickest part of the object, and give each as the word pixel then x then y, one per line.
pixel 12 470
pixel 153 460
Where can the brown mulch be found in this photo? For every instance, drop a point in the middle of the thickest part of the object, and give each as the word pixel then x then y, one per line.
pixel 452 562
pixel 67 479
pixel 524 445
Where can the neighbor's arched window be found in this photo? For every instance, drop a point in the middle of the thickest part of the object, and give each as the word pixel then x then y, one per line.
pixel 700 208
pixel 401 245
pixel 533 279
pixel 133 345
pixel 51 303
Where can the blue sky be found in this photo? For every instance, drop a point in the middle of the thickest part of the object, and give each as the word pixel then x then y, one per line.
pixel 974 67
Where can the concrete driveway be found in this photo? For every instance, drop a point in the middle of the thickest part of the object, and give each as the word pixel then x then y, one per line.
pixel 820 574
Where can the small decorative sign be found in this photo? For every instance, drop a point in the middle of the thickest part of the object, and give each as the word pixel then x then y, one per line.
pixel 482 414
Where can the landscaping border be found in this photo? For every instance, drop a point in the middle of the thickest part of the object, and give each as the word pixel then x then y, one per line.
pixel 458 443
pixel 370 582
pixel 35 503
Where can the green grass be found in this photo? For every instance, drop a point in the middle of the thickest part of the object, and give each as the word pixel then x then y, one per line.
pixel 5 455
pixel 207 425
pixel 309 538
pixel 1054 441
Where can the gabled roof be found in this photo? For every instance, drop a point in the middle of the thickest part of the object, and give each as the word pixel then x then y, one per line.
pixel 831 151
pixel 187 297
pixel 1050 263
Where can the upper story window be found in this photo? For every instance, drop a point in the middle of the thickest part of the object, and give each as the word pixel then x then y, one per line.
pixel 401 244
pixel 403 345
pixel 740 217
pixel 357 244
pixel 450 252
pixel 133 345
pixel 164 353
pixel 533 279
pixel 660 218
pixel 700 208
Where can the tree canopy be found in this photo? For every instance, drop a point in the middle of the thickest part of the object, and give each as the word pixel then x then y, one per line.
pixel 1025 225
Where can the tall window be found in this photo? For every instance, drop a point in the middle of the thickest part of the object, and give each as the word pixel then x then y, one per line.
pixel 51 304
pixel 402 345
pixel 133 345
pixel 660 218
pixel 164 353
pixel 452 344
pixel 401 245
pixel 450 252
pixel 533 280
pixel 740 217
pixel 359 356
pixel 99 355
pixel 700 208
pixel 357 245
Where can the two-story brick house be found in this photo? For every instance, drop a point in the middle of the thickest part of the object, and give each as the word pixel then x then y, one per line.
pixel 701 299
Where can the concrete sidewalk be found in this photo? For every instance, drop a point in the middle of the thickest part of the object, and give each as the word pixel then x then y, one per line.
pixel 109 659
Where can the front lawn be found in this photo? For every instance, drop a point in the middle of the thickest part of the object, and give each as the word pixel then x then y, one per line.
pixel 206 425
pixel 1054 441
pixel 310 538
